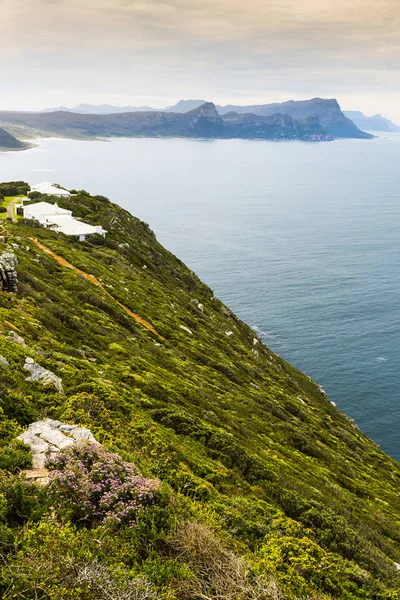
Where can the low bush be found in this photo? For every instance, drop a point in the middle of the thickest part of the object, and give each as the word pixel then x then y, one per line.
pixel 91 485
pixel 217 573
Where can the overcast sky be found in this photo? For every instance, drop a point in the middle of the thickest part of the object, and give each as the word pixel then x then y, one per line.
pixel 156 52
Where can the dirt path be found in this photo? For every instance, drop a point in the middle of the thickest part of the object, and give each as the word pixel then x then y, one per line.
pixel 11 211
pixel 64 263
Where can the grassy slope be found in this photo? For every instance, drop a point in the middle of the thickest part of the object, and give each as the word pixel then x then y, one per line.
pixel 249 445
pixel 7 200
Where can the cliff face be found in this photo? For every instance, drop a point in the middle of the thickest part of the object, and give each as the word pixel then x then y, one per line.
pixel 328 113
pixel 264 481
pixel 277 126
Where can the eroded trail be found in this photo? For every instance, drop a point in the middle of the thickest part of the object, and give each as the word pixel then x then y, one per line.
pixel 64 263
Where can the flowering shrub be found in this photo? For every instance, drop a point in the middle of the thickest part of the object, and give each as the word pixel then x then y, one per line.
pixel 95 486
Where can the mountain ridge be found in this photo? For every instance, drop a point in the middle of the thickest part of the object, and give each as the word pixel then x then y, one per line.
pixel 328 111
pixel 201 122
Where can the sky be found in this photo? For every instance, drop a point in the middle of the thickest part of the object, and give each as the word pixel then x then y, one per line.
pixel 143 52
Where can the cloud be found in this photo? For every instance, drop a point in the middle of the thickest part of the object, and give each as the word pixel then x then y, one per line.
pixel 222 49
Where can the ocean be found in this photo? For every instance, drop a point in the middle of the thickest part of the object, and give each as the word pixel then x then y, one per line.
pixel 301 240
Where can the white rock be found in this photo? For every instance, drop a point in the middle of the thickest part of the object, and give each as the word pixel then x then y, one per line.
pixel 50 437
pixel 186 329
pixel 41 374
pixel 229 333
pixel 4 362
pixel 200 306
pixel 14 337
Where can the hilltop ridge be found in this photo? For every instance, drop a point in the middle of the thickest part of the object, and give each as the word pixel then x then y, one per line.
pixel 260 475
pixel 328 112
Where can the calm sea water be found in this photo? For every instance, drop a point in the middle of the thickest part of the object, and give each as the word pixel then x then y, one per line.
pixel 302 240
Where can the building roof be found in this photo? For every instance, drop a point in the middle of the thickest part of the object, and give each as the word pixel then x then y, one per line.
pixel 48 188
pixel 70 226
pixel 45 208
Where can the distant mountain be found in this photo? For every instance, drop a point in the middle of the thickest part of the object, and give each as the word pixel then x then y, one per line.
pixel 204 122
pixel 184 106
pixel 101 109
pixel 374 123
pixel 9 142
pixel 327 111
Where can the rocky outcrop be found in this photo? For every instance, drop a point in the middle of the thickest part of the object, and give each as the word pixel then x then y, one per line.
pixel 8 272
pixel 41 374
pixel 49 437
pixel 17 339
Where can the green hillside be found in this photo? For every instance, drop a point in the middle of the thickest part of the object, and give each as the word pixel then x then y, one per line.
pixel 266 489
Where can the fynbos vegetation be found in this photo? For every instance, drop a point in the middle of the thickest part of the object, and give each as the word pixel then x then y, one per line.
pixel 221 472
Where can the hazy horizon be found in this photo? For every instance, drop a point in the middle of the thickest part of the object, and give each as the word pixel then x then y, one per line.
pixel 166 106
pixel 140 52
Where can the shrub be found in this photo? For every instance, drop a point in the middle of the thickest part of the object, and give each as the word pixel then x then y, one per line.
pixel 91 485
pixel 21 501
pixel 101 198
pixel 13 188
pixel 2 208
pixel 58 563
pixel 34 195
pixel 15 456
pixel 218 574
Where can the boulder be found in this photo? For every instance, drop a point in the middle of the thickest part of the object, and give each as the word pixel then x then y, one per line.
pixel 4 362
pixel 49 437
pixel 8 273
pixel 14 337
pixel 41 374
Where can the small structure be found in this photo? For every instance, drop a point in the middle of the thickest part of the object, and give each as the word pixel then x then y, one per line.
pixel 60 219
pixel 50 190
pixel 70 226
pixel 41 211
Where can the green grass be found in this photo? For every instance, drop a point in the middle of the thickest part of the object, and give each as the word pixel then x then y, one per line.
pixel 246 444
pixel 6 202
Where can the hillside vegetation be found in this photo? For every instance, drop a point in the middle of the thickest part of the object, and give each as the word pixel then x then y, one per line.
pixel 253 484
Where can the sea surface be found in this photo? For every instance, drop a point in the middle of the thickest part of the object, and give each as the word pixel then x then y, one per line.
pixel 301 240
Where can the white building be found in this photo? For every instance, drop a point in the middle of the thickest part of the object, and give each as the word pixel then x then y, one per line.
pixel 41 211
pixel 60 219
pixel 50 190
pixel 70 226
